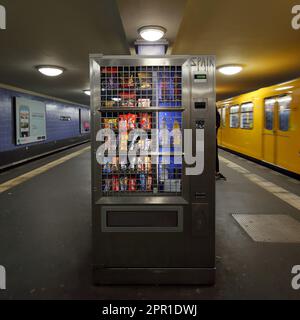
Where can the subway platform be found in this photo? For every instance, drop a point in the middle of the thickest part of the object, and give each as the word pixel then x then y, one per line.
pixel 45 233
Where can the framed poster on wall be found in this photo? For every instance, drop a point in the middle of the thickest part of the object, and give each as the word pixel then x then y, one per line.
pixel 30 121
pixel 84 116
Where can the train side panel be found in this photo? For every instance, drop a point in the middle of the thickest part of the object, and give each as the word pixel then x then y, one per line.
pixel 275 135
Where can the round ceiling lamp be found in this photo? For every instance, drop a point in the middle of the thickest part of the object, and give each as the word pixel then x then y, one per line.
pixel 50 71
pixel 152 33
pixel 230 70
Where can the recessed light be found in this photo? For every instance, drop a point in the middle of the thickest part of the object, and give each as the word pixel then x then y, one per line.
pixel 284 88
pixel 87 92
pixel 50 71
pixel 152 33
pixel 230 70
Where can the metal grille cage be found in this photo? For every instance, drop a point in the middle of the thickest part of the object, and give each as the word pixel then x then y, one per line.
pixel 131 98
pixel 141 86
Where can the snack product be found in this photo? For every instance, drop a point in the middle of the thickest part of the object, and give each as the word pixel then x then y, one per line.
pixel 145 121
pixel 131 121
pixel 144 103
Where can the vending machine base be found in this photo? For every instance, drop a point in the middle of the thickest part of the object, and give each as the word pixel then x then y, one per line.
pixel 155 276
pixel 135 242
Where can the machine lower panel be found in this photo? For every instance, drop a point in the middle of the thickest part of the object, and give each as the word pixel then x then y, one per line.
pixel 157 276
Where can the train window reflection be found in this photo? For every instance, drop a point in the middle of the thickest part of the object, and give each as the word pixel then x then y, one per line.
pixel 284 112
pixel 269 113
pixel 247 115
pixel 234 116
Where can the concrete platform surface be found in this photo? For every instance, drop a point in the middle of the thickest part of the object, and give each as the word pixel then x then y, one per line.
pixel 45 235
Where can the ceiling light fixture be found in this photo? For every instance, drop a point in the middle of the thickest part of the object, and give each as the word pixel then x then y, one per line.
pixel 50 71
pixel 87 92
pixel 230 70
pixel 152 33
pixel 284 88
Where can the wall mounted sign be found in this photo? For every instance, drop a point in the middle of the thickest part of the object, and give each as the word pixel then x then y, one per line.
pixel 30 121
pixel 65 118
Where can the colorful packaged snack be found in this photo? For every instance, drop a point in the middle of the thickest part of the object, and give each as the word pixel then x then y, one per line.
pixel 127 82
pixel 128 99
pixel 109 104
pixel 123 124
pixel 107 167
pixel 142 182
pixel 145 121
pixel 147 164
pixel 123 183
pixel 132 165
pixel 123 164
pixel 111 123
pixel 115 163
pixel 145 80
pixel 149 183
pixel 115 183
pixel 107 185
pixel 144 103
pixel 131 121
pixel 112 70
pixel 141 165
pixel 123 141
pixel 132 184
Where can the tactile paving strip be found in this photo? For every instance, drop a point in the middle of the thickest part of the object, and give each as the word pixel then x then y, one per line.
pixel 270 228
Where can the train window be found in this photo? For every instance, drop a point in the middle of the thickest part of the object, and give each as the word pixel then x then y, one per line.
pixel 234 116
pixel 269 113
pixel 284 112
pixel 247 115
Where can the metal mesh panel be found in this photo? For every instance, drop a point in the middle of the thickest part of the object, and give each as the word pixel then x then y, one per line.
pixel 141 87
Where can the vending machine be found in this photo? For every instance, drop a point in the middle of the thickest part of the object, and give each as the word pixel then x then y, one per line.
pixel 153 169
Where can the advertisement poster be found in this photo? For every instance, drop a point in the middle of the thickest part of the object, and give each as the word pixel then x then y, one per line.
pixel 30 121
pixel 84 121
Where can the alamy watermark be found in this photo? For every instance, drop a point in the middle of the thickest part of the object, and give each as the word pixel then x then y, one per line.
pixel 2 18
pixel 296 278
pixel 2 278
pixel 296 18
pixel 134 147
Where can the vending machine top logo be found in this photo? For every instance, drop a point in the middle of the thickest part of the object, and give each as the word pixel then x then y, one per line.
pixel 2 18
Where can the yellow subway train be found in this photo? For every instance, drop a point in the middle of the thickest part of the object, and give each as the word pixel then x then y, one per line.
pixel 264 125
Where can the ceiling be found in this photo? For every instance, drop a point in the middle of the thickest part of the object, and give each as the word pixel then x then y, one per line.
pixel 254 33
pixel 59 32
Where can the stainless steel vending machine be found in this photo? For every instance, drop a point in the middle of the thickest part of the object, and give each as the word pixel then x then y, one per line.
pixel 153 169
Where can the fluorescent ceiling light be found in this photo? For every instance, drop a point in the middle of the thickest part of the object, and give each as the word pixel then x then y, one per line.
pixel 230 70
pixel 50 71
pixel 87 92
pixel 284 88
pixel 152 33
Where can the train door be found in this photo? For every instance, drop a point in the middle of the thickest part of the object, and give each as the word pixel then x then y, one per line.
pixel 276 130
pixel 284 146
pixel 269 133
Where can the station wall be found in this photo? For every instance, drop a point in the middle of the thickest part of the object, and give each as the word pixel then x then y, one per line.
pixel 63 126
